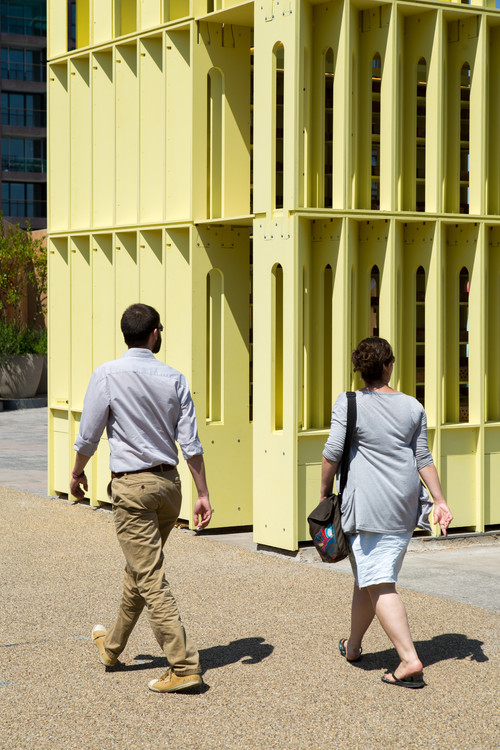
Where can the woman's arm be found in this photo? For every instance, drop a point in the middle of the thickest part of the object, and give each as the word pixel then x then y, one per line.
pixel 442 514
pixel 328 471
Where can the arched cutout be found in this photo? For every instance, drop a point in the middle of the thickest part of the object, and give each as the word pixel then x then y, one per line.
pixel 214 339
pixel 277 346
pixel 421 127
pixel 463 344
pixel 279 122
pixel 420 335
pixel 465 82
pixel 215 86
pixel 376 73
pixel 374 301
pixel 327 343
pixel 328 128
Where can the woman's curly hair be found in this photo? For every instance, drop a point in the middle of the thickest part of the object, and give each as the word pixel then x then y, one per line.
pixel 370 357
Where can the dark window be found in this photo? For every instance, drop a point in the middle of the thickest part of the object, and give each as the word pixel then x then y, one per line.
pixel 23 155
pixel 72 22
pixel 25 110
pixel 27 17
pixel 465 83
pixel 375 166
pixel 23 64
pixel 24 199
pixel 463 345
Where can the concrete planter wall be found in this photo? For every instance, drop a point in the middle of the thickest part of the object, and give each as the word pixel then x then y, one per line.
pixel 20 375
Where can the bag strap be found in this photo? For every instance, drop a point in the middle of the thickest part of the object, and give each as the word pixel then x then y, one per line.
pixel 351 424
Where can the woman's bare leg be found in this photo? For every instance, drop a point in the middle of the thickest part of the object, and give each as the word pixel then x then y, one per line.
pixel 391 614
pixel 362 614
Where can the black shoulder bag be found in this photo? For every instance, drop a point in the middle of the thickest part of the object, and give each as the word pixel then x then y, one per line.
pixel 325 521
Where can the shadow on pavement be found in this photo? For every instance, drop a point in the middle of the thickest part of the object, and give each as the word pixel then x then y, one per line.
pixel 439 648
pixel 246 650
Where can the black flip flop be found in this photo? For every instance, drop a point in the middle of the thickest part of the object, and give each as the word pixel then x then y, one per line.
pixel 343 651
pixel 413 681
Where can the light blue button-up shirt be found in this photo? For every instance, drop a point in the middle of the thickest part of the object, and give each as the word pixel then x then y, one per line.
pixel 146 407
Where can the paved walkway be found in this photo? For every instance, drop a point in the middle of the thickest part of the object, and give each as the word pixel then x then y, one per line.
pixel 23 450
pixel 267 629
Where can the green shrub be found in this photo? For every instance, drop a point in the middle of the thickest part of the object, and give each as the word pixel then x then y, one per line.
pixel 18 340
pixel 23 261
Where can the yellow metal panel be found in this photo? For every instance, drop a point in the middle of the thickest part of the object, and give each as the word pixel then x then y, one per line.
pixel 174 9
pixel 226 430
pixel 59 450
pixel 57 27
pixel 126 280
pixel 492 340
pixel 493 119
pixel 58 322
pixel 222 160
pixel 310 449
pixel 125 17
pixel 58 146
pixel 83 23
pixel 80 144
pixel 274 454
pixel 151 127
pixel 152 270
pixel 492 476
pixel 102 21
pixel 458 473
pixel 150 13
pixel 126 133
pixel 103 139
pixel 61 464
pixel 81 319
pixel 105 317
pixel 177 133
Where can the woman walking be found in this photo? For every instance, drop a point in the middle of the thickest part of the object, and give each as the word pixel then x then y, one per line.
pixel 380 504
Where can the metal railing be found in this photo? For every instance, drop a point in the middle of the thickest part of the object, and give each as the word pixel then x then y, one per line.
pixel 31 118
pixel 12 71
pixel 23 164
pixel 27 26
pixel 36 209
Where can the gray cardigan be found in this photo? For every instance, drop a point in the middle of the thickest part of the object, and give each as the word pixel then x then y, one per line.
pixel 389 447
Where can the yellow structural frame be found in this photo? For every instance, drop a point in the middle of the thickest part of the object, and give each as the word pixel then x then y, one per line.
pixel 280 179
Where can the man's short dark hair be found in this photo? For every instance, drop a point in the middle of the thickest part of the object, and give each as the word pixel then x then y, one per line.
pixel 138 322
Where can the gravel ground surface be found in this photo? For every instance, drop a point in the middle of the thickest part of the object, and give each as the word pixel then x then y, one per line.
pixel 267 630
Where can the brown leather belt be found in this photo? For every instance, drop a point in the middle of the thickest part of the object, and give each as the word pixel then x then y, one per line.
pixel 154 469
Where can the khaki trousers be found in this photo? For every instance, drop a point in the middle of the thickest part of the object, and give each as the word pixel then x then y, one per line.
pixel 145 508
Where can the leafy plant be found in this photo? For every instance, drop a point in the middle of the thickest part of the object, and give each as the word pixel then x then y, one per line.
pixel 23 266
pixel 15 340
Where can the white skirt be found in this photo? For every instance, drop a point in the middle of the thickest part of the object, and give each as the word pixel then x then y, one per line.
pixel 377 558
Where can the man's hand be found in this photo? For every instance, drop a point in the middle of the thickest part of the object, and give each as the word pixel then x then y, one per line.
pixel 202 512
pixel 74 485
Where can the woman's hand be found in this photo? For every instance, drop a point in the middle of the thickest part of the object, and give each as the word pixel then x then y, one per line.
pixel 442 515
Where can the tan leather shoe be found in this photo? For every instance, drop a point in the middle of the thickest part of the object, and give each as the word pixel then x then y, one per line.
pixel 171 682
pixel 98 633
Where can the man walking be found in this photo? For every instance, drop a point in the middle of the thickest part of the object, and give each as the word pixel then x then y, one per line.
pixel 146 407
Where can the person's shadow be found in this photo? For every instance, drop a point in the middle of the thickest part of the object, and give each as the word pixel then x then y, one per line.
pixel 247 650
pixel 439 648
